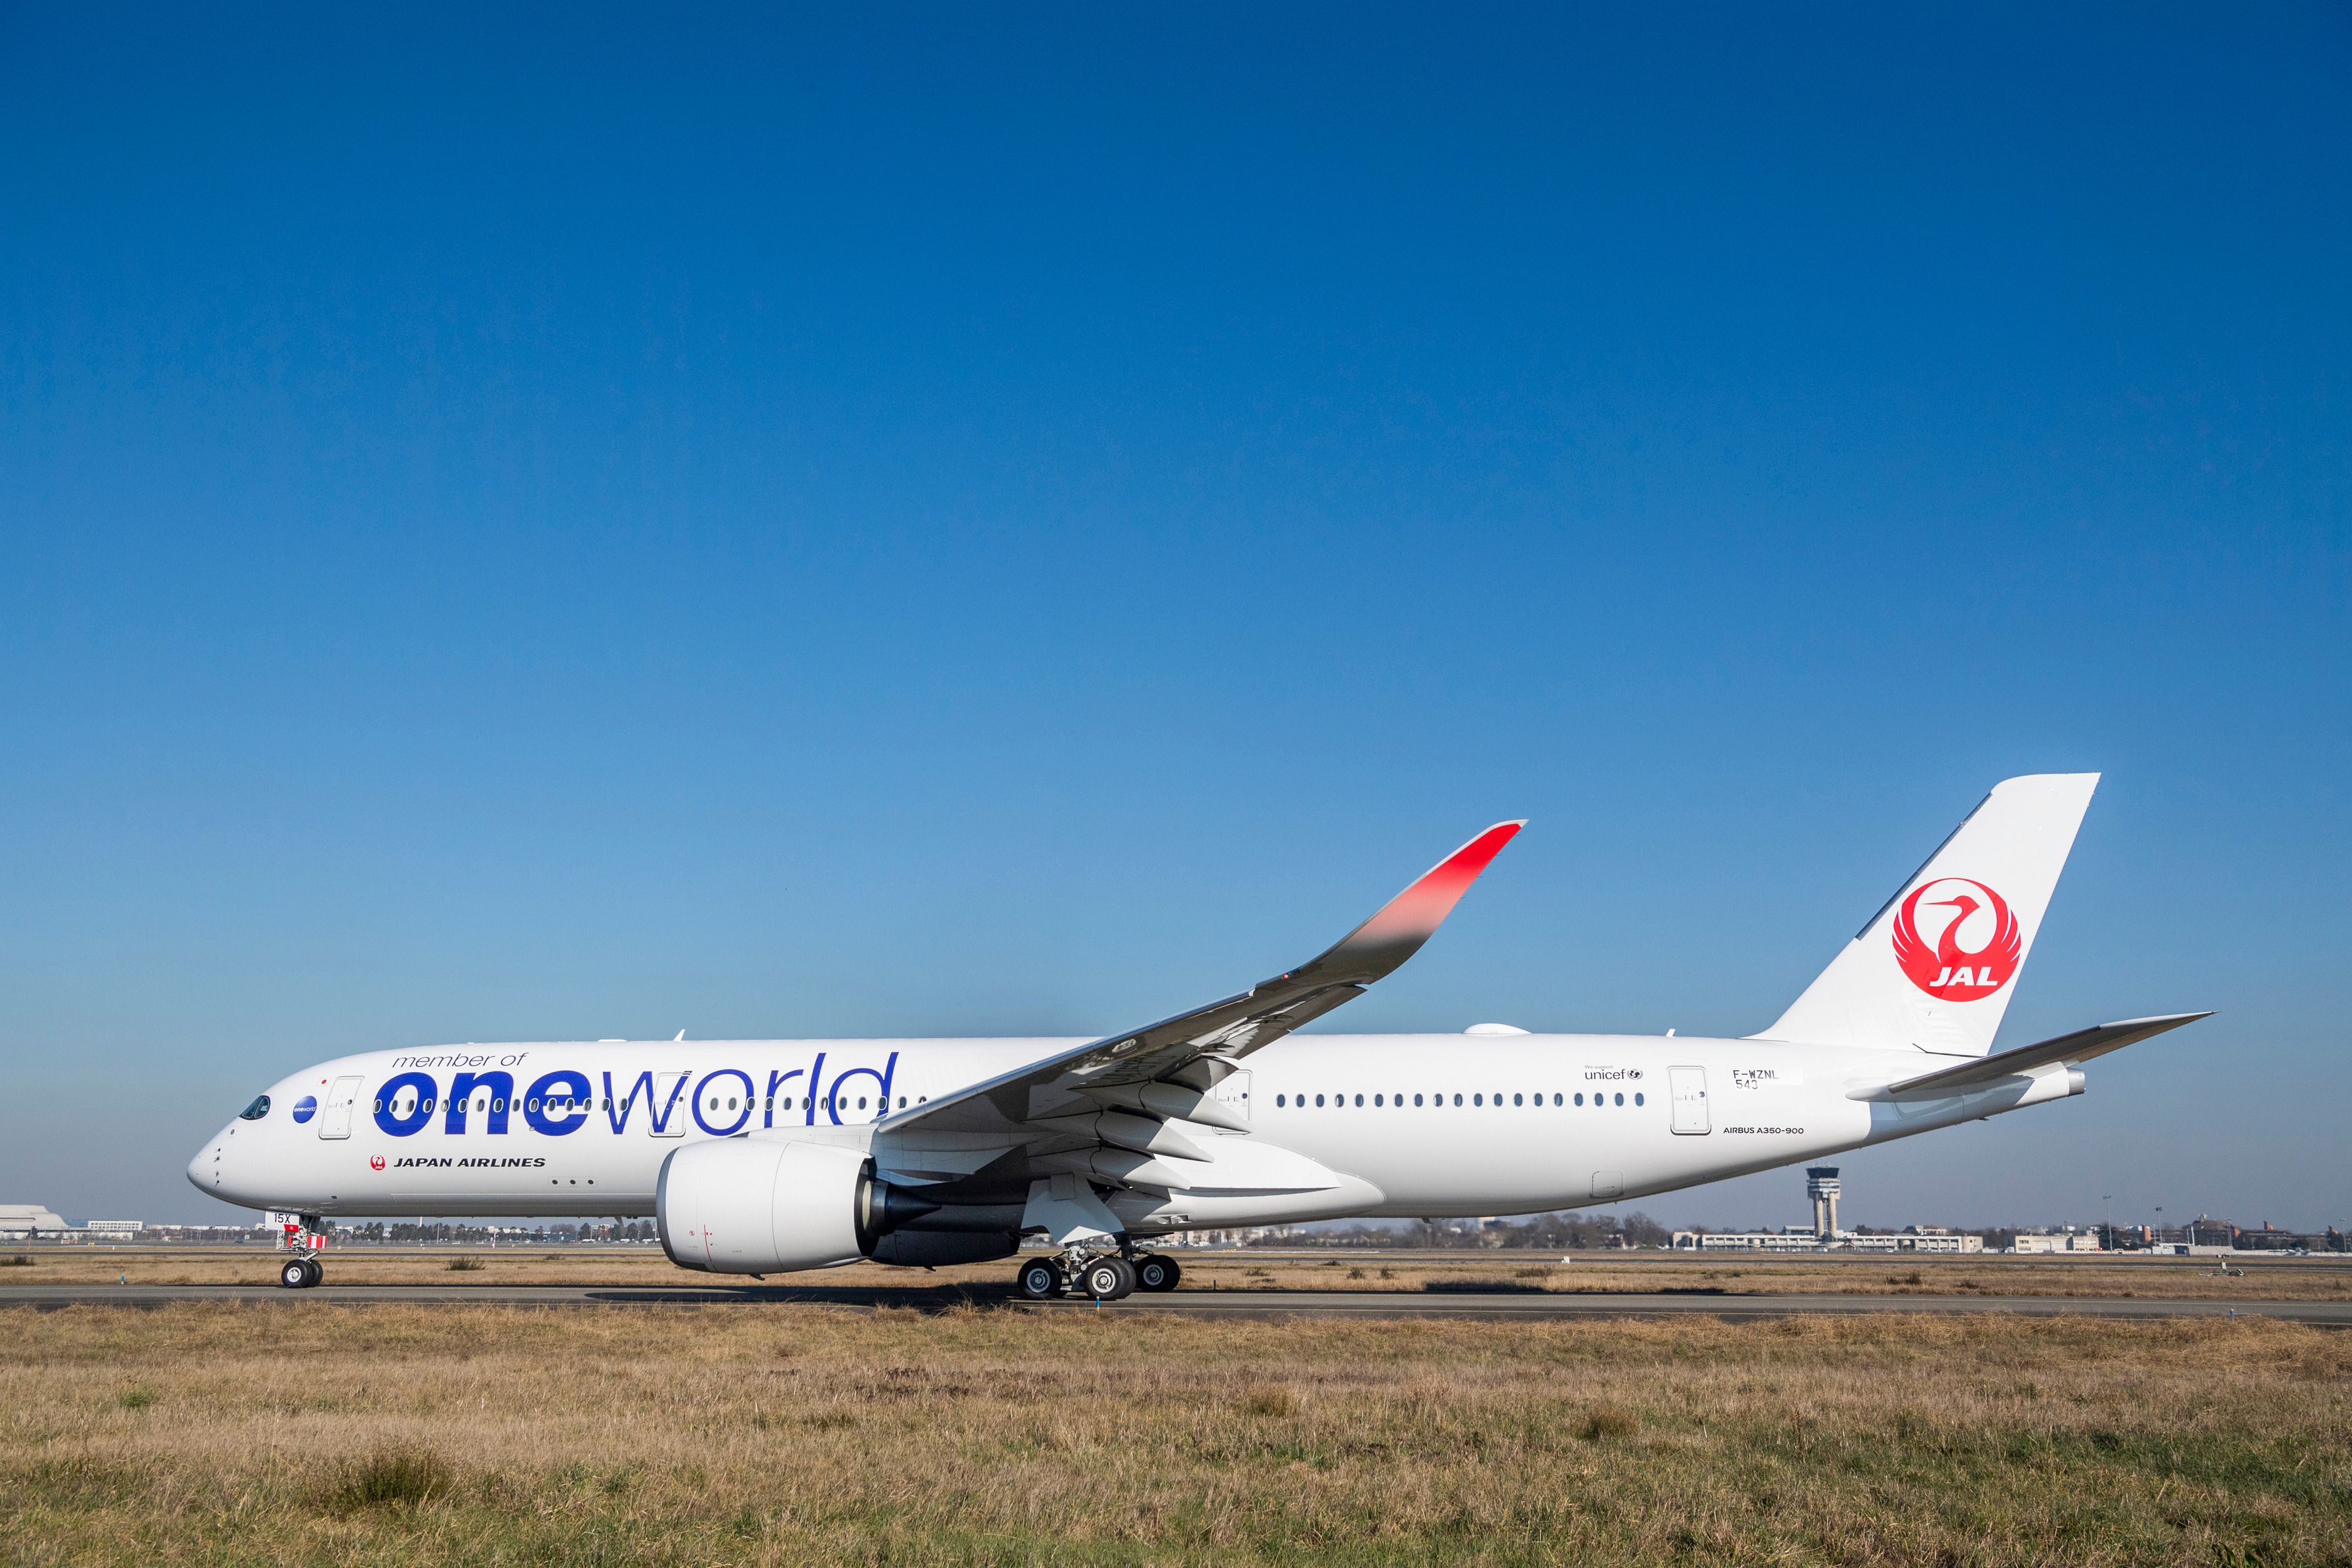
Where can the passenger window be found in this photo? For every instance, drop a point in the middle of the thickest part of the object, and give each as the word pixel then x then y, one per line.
pixel 1555 1100
pixel 1416 1099
pixel 1580 1100
pixel 1318 1099
pixel 1621 1099
pixel 1516 1100
pixel 1458 1100
pixel 1637 1099
pixel 1359 1099
pixel 1477 1099
pixel 1376 1100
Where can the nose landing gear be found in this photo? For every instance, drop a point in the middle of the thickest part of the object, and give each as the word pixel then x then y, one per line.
pixel 304 1236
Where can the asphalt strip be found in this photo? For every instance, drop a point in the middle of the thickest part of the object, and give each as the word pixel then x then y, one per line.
pixel 1247 1304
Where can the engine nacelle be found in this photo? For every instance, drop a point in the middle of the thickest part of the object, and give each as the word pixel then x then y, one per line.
pixel 943 1248
pixel 748 1206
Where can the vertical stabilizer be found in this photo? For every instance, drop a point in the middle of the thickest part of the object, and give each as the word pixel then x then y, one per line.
pixel 1936 967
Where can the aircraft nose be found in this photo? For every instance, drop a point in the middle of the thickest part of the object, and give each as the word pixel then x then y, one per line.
pixel 205 1172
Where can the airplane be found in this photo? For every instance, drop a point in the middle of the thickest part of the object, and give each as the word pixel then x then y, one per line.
pixel 758 1157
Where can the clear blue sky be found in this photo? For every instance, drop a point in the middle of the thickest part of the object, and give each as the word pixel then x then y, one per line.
pixel 537 525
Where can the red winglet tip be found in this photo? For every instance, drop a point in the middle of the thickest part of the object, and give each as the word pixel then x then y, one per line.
pixel 1476 855
pixel 1422 908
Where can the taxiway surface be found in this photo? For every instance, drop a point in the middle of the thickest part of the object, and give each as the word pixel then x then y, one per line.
pixel 1257 1304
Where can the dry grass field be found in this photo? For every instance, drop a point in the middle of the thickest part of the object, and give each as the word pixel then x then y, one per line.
pixel 788 1433
pixel 2260 1279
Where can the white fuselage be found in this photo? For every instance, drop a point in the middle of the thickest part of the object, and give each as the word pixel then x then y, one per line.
pixel 1422 1124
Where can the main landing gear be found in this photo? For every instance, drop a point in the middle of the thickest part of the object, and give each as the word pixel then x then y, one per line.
pixel 1109 1277
pixel 1153 1272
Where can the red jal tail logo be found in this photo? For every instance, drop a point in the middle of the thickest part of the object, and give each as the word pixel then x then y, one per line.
pixel 375 1162
pixel 1941 962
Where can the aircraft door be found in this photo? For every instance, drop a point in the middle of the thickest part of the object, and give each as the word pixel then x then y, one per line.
pixel 666 1116
pixel 335 1116
pixel 1234 1093
pixel 1689 1088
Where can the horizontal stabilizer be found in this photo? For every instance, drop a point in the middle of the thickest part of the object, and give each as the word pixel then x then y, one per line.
pixel 2079 1047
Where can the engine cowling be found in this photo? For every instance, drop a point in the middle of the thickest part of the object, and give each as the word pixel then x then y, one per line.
pixel 748 1206
pixel 921 1248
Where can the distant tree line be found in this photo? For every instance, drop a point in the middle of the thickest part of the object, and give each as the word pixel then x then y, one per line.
pixel 400 1231
pixel 1568 1230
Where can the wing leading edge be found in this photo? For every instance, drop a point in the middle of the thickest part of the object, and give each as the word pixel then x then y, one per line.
pixel 1178 1060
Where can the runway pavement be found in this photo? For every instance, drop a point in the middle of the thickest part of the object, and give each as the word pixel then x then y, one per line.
pixel 1245 1304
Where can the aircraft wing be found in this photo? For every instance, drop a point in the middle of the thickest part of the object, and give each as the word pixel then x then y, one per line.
pixel 2079 1047
pixel 1169 1067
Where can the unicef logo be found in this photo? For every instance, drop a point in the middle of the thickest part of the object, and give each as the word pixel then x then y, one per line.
pixel 306 1108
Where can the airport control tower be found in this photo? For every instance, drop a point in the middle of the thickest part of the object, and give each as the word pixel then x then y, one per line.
pixel 1822 1186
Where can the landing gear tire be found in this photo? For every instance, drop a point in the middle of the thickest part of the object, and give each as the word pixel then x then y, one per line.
pixel 296 1275
pixel 1153 1272
pixel 318 1269
pixel 1107 1279
pixel 1040 1280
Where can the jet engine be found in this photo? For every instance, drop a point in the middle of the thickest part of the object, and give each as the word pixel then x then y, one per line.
pixel 748 1206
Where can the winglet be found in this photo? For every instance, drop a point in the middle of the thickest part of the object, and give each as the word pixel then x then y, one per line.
pixel 1409 920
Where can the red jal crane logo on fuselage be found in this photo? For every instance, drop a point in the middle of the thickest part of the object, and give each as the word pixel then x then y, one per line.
pixel 1971 954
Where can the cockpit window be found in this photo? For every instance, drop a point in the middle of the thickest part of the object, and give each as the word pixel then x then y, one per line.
pixel 257 1111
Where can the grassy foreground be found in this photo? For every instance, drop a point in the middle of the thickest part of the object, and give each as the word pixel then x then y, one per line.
pixel 423 1435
